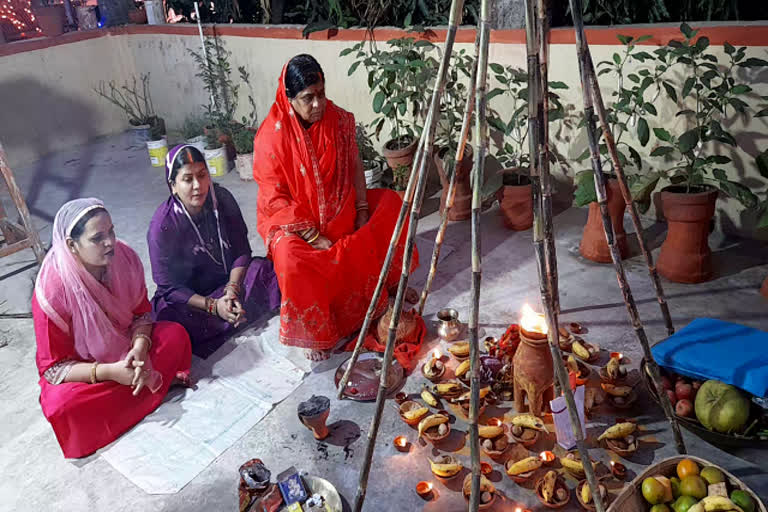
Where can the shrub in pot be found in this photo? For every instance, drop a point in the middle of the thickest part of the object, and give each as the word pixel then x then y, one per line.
pixel 516 200
pixel 215 154
pixel 193 131
pixel 243 142
pixel 400 176
pixel 372 167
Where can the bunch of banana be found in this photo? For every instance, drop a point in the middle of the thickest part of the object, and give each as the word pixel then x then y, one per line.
pixel 459 349
pixel 414 414
pixel 462 369
pixel 448 389
pixel 429 398
pixel 482 393
pixel 612 368
pixel 548 487
pixel 490 431
pixel 618 391
pixel 524 466
pixel 433 420
pixel 715 504
pixel 581 350
pixel 446 466
pixel 529 421
pixel 618 431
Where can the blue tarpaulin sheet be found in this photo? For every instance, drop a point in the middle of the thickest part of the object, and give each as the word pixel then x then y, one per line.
pixel 713 349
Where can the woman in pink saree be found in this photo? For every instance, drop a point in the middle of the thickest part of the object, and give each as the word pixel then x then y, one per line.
pixel 103 364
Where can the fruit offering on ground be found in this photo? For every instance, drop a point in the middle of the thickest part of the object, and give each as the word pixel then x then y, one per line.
pixel 694 486
pixel 712 475
pixel 660 508
pixel 684 390
pixel 653 491
pixel 744 500
pixel 683 503
pixel 687 467
pixel 722 407
pixel 675 482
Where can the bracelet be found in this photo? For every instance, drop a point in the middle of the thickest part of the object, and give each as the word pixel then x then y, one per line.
pixel 140 336
pixel 317 235
pixel 210 305
pixel 93 373
pixel 235 286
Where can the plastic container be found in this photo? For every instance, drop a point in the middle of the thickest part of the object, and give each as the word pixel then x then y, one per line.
pixel 158 149
pixel 216 159
pixel 198 142
pixel 155 12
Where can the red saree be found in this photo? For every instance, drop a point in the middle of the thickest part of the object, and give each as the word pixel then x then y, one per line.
pixel 306 179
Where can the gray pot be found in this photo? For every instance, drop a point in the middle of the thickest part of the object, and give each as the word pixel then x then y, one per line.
pixel 141 135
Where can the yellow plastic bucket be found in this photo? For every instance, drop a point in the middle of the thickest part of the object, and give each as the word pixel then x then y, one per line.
pixel 158 149
pixel 216 159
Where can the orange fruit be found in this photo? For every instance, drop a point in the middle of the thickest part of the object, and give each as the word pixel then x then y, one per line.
pixel 687 467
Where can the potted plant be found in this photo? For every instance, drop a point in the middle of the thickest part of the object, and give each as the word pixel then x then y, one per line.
pixel 515 198
pixel 193 131
pixel 632 106
pixel 371 161
pixel 50 17
pixel 711 95
pixel 400 176
pixel 215 153
pixel 136 102
pixel 243 141
pixel 397 77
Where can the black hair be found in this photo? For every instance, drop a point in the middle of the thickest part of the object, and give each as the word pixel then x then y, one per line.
pixel 188 155
pixel 79 228
pixel 303 71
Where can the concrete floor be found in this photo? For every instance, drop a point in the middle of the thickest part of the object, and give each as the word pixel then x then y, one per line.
pixel 34 476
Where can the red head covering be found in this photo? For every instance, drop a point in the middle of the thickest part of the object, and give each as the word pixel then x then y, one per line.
pixel 305 176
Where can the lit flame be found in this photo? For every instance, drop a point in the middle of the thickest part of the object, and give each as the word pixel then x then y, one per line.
pixel 547 456
pixel 400 441
pixel 613 463
pixel 518 509
pixel 532 321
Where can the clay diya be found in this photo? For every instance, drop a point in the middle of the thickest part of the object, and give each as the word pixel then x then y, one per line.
pixel 434 369
pixel 401 444
pixel 485 468
pixel 313 414
pixel 487 491
pixel 581 370
pixel 623 402
pixel 493 440
pixel 618 470
pixel 547 457
pixel 561 495
pixel 581 494
pixel 581 348
pixel 445 467
pixel 496 422
pixel 525 436
pixel 576 328
pixel 412 412
pixel 625 447
pixel 401 397
pixel 424 489
pixel 435 428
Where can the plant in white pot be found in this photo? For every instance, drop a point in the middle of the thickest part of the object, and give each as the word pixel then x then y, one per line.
pixel 193 131
pixel 215 153
pixel 243 141
pixel 371 160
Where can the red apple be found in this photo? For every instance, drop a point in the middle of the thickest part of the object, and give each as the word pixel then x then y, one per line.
pixel 683 391
pixel 672 396
pixel 684 408
pixel 665 382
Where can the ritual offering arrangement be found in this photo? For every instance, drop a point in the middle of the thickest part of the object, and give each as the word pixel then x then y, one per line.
pixel 459 350
pixel 686 483
pixel 552 491
pixel 487 491
pixel 533 370
pixel 255 487
pixel 448 389
pixel 584 495
pixel 523 470
pixel 434 428
pixel 620 396
pixel 620 438
pixel 434 368
pixel 614 372
pixel 493 440
pixel 527 428
pixel 412 412
pixel 445 466
pixel 573 464
pixel 580 370
pixel 585 351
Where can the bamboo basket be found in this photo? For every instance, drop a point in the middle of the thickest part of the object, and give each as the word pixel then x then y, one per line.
pixel 631 498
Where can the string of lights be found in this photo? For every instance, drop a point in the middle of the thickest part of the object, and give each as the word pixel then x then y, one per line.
pixel 17 20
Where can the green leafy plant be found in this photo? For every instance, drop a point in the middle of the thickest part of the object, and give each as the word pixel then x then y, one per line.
pixel 252 119
pixel 135 100
pixel 242 139
pixel 397 78
pixel 711 95
pixel 400 176
pixel 194 126
pixel 454 102
pixel 215 72
pixel 365 145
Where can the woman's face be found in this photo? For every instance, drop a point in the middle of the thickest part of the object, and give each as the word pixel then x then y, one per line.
pixel 310 103
pixel 191 186
pixel 96 246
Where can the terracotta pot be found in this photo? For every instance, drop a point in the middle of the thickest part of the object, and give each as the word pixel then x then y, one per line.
pixel 317 424
pixel 406 327
pixel 534 374
pixel 593 243
pixel 685 256
pixel 764 289
pixel 462 202
pixel 516 201
pixel 138 16
pixel 398 157
pixel 50 19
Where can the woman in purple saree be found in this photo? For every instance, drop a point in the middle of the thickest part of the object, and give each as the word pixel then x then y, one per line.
pixel 201 258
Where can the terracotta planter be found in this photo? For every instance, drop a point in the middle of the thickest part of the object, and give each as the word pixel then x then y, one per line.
pixel 516 201
pixel 399 157
pixel 685 256
pixel 593 243
pixel 462 202
pixel 50 19
pixel 534 374
pixel 764 288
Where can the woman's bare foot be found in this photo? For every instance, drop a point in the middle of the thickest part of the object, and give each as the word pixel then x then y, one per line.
pixel 317 355
pixel 411 295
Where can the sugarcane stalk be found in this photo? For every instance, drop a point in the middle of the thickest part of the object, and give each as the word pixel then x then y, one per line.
pixel 539 237
pixel 481 138
pixel 451 195
pixel 428 137
pixel 421 154
pixel 592 98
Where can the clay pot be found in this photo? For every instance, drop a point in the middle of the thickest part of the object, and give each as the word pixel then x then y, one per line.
pixel 315 421
pixel 685 256
pixel 50 19
pixel 534 375
pixel 403 156
pixel 516 201
pixel 764 288
pixel 462 201
pixel 593 243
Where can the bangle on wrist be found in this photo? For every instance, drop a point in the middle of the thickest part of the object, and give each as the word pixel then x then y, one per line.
pixel 317 235
pixel 234 286
pixel 142 336
pixel 93 372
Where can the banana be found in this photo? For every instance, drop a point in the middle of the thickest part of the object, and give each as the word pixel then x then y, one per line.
pixel 719 504
pixel 460 349
pixel 612 368
pixel 618 431
pixel 574 466
pixel 415 413
pixel 448 388
pixel 698 507
pixel 482 393
pixel 490 431
pixel 573 365
pixel 432 420
pixel 529 421
pixel 622 391
pixel 462 368
pixel 446 466
pixel 580 350
pixel 586 493
pixel 429 398
pixel 485 485
pixel 548 488
pixel 524 466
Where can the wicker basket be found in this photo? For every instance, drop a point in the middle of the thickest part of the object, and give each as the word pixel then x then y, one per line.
pixel 631 498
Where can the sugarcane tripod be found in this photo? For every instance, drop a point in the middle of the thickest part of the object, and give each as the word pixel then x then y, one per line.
pixel 537 36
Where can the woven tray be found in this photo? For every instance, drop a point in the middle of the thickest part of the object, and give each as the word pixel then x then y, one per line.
pixel 631 498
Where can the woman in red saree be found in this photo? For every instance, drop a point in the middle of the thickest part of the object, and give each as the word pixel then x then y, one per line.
pixel 326 234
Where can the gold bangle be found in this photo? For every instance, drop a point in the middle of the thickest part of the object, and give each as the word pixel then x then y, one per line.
pixel 93 372
pixel 317 235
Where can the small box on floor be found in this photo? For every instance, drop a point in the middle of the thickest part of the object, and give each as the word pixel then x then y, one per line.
pixel 291 487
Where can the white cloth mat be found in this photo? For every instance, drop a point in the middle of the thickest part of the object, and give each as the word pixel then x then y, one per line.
pixel 236 388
